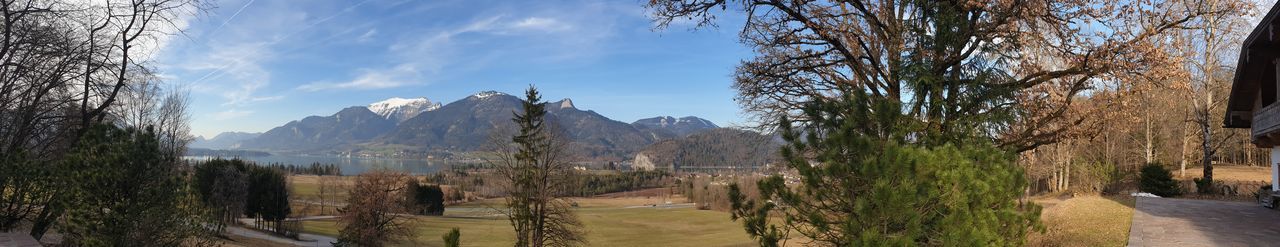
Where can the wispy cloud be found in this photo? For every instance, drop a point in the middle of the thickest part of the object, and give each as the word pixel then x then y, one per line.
pixel 541 24
pixel 401 75
pixel 367 36
pixel 231 114
pixel 242 64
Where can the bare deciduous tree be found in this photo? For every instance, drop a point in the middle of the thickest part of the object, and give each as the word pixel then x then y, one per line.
pixel 375 211
pixel 63 67
pixel 326 192
pixel 954 65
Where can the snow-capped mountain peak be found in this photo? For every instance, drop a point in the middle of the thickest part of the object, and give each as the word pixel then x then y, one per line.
pixel 487 94
pixel 401 109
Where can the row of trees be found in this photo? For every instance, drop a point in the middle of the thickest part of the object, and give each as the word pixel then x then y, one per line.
pixel 235 188
pixel 1169 116
pixel 590 184
pixel 313 169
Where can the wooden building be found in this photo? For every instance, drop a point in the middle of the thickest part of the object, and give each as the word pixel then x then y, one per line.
pixel 1252 103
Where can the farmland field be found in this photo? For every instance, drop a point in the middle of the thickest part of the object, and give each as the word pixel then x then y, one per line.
pixel 606 225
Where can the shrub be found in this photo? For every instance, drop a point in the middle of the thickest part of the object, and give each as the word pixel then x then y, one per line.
pixel 1155 179
pixel 452 238
pixel 424 199
pixel 1205 186
pixel 1102 177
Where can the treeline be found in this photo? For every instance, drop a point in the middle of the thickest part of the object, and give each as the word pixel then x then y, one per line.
pixel 234 188
pixel 590 184
pixel 313 169
pixel 712 192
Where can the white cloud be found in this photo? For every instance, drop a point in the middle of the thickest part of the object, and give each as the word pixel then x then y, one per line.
pixel 401 75
pixel 235 73
pixel 231 114
pixel 367 36
pixel 541 24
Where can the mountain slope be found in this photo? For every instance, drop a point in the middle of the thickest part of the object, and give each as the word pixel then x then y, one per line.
pixel 224 140
pixel 666 127
pixel 469 123
pixel 715 149
pixel 349 126
pixel 399 109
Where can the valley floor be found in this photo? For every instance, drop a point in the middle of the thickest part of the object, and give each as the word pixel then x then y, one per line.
pixel 648 218
pixel 624 221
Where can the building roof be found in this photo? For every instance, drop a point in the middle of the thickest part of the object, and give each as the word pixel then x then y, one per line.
pixel 1256 53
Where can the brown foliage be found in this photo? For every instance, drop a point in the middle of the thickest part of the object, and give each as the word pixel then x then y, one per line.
pixel 951 61
pixel 375 213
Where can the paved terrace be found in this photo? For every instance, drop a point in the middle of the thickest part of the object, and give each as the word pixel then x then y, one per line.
pixel 1183 222
pixel 17 239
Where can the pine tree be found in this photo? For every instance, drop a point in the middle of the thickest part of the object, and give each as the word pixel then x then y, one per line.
pixel 452 238
pixel 861 183
pixel 122 190
pixel 538 175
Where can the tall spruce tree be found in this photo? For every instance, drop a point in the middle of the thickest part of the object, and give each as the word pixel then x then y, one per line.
pixel 537 172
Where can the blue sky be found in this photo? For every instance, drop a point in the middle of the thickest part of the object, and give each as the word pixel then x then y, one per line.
pixel 254 65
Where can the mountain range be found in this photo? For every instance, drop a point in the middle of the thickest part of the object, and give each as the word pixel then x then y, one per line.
pixel 416 126
pixel 224 140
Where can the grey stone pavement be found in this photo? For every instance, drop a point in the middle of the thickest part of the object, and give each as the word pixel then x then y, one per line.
pixel 1184 222
pixel 17 239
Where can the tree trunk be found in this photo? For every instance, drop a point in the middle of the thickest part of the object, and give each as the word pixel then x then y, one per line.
pixel 1149 149
pixel 1206 141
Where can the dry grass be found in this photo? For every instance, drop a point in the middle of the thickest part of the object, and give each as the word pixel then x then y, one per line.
pixel 608 223
pixel 1232 173
pixel 1235 183
pixel 1085 221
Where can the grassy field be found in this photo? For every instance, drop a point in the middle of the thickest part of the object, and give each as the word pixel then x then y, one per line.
pixel 1085 221
pixel 611 221
pixel 1233 173
pixel 606 226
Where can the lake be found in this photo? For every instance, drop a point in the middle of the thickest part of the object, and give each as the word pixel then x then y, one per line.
pixel 349 165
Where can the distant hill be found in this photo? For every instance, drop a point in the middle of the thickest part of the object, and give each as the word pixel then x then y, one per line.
pixel 350 126
pixel 715 149
pixel 224 140
pixel 225 153
pixel 666 127
pixel 467 124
